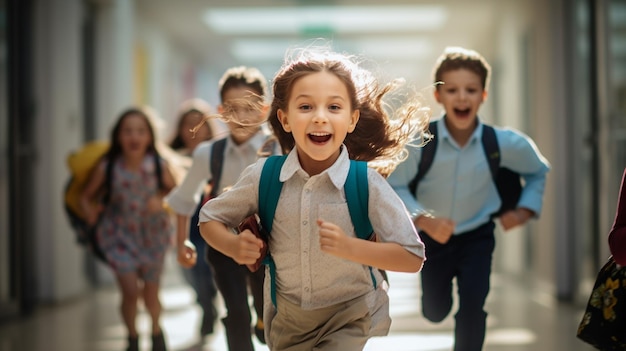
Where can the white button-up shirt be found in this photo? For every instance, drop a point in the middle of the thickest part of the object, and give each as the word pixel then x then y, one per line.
pixel 184 198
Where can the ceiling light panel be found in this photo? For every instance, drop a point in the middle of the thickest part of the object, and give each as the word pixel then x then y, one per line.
pixel 335 19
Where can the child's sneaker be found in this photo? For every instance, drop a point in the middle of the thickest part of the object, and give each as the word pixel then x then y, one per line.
pixel 259 331
pixel 133 343
pixel 158 342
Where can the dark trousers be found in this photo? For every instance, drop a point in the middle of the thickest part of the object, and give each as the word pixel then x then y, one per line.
pixel 200 277
pixel 232 281
pixel 467 257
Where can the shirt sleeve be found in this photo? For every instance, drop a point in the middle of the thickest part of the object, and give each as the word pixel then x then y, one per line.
pixel 240 201
pixel 520 154
pixel 185 197
pixel 617 236
pixel 390 219
pixel 400 178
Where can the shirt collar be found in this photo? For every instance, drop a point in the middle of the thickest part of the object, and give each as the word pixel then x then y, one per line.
pixel 256 142
pixel 337 173
pixel 444 134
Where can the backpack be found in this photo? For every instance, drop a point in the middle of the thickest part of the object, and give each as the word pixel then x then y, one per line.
pixel 81 164
pixel 508 182
pixel 357 197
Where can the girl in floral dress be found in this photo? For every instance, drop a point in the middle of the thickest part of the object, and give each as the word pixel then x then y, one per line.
pixel 124 197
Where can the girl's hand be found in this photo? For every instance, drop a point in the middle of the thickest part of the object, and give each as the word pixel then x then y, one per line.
pixel 247 248
pixel 155 204
pixel 333 239
pixel 187 255
pixel 438 228
pixel 514 218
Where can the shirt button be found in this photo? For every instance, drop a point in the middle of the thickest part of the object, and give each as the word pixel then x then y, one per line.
pixel 305 222
pixel 306 289
pixel 308 191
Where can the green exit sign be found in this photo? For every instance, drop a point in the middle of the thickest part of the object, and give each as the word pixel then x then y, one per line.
pixel 317 30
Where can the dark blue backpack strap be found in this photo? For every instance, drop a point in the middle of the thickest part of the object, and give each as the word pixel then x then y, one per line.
pixel 492 149
pixel 216 160
pixel 427 157
pixel 269 193
pixel 508 182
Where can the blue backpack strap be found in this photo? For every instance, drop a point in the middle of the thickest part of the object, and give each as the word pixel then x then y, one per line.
pixel 269 193
pixel 269 190
pixel 357 196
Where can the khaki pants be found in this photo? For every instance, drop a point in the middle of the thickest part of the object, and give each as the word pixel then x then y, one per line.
pixel 341 327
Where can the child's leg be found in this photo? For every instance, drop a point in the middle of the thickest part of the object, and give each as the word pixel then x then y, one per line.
pixel 200 277
pixel 153 304
pixel 151 277
pixel 128 284
pixel 206 290
pixel 437 274
pixel 473 285
pixel 230 278
pixel 255 279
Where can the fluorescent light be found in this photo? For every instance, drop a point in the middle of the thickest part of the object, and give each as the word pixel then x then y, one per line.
pixel 332 19
pixel 396 48
pixel 246 50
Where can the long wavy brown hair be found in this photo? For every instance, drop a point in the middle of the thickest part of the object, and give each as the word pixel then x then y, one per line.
pixel 382 132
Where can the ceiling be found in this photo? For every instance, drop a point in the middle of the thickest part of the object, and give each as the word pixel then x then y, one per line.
pixel 397 42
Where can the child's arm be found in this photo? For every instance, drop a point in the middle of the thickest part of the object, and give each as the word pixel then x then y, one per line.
pixel 520 154
pixel 186 254
pixel 388 256
pixel 244 248
pixel 91 209
pixel 183 200
pixel 156 203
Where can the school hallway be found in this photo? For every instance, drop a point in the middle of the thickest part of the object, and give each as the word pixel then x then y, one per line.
pixel 521 318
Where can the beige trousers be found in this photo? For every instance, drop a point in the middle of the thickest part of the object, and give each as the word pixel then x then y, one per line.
pixel 341 327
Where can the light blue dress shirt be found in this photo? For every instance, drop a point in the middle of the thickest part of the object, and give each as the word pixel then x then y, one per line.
pixel 459 185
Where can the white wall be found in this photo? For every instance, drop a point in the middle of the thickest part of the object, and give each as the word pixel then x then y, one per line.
pixel 507 80
pixel 114 62
pixel 58 102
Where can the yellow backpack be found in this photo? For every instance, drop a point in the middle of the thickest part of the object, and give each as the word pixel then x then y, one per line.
pixel 81 163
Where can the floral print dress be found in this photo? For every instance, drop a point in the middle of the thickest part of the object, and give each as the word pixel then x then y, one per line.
pixel 131 238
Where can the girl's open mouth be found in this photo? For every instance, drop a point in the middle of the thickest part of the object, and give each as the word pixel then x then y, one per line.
pixel 319 138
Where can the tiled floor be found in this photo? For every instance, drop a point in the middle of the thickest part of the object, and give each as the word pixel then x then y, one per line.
pixel 520 319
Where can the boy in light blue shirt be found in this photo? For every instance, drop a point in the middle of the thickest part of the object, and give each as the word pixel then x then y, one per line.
pixel 454 202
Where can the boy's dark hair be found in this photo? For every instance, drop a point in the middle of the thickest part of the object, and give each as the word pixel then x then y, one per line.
pixel 242 76
pixel 454 58
pixel 376 137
